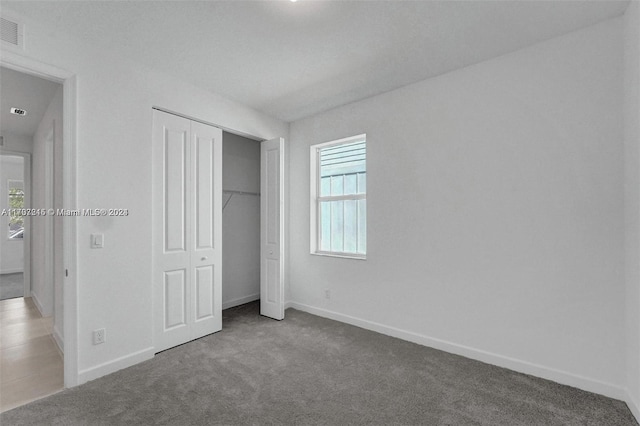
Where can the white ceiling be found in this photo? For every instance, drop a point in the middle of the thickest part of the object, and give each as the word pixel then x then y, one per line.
pixel 26 92
pixel 293 60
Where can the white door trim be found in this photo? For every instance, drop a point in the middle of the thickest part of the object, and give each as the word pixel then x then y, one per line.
pixel 49 235
pixel 31 66
pixel 210 123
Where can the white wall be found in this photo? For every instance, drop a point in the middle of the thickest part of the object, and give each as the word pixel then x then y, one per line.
pixel 11 251
pixel 632 201
pixel 17 143
pixel 495 212
pixel 44 287
pixel 240 221
pixel 114 111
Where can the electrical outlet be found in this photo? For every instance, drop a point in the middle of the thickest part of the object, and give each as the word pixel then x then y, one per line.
pixel 327 294
pixel 99 336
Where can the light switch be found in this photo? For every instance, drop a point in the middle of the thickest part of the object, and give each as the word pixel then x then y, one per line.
pixel 97 240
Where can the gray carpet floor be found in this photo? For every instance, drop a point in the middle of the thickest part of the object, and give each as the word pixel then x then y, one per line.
pixel 310 370
pixel 11 286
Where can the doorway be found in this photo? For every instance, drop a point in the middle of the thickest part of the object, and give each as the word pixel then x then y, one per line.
pixel 240 220
pixel 253 223
pixel 32 339
pixel 68 250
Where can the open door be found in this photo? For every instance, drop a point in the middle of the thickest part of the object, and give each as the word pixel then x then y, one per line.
pixel 272 199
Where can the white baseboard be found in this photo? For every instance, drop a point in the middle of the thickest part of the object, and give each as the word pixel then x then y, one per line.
pixel 562 377
pixel 11 271
pixel 240 301
pixel 58 339
pixel 634 406
pixel 115 365
pixel 39 305
pixel 36 302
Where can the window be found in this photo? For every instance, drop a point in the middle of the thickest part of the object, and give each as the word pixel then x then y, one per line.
pixel 16 203
pixel 339 197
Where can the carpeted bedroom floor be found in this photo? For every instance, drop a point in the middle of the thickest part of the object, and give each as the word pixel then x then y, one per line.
pixel 311 370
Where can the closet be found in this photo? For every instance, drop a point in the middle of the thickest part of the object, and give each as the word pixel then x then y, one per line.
pixel 217 224
pixel 240 220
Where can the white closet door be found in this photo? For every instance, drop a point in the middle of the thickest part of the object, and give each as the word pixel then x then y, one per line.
pixel 187 192
pixel 172 273
pixel 206 250
pixel 272 257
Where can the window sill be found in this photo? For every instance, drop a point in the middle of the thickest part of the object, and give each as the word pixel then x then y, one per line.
pixel 341 255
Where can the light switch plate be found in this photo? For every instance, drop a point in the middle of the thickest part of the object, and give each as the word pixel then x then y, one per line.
pixel 97 240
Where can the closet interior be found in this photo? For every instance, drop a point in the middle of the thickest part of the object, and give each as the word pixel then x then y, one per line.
pixel 240 220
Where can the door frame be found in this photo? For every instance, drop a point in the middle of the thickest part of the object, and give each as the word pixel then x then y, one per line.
pixel 26 178
pixel 49 221
pixel 68 79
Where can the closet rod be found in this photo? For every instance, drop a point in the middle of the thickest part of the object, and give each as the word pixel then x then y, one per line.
pixel 232 193
pixel 240 192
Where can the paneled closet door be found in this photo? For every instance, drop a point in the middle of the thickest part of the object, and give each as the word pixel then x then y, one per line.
pixel 187 228
pixel 272 256
pixel 206 231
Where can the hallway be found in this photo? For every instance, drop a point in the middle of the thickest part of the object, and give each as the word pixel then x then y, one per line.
pixel 31 365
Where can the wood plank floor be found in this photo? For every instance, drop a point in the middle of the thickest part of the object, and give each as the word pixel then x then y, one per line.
pixel 30 362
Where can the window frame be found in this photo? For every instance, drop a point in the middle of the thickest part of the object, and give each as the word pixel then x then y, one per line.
pixel 315 198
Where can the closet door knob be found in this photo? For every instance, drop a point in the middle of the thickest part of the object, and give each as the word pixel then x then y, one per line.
pixel 204 258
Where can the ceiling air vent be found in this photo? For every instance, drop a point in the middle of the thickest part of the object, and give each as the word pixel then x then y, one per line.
pixel 11 32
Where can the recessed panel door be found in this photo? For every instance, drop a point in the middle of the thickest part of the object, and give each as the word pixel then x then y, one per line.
pixel 272 229
pixel 172 272
pixel 206 251
pixel 187 228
